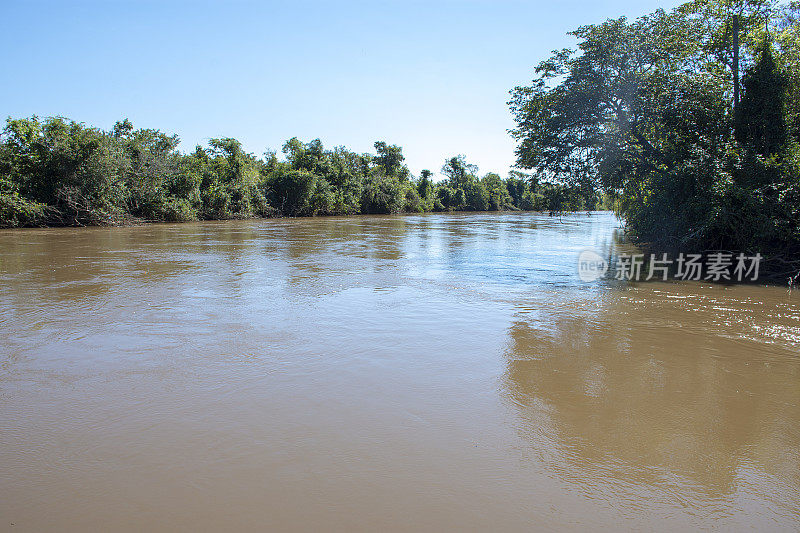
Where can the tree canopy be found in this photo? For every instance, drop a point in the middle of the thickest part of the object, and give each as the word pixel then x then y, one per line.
pixel 56 171
pixel 688 117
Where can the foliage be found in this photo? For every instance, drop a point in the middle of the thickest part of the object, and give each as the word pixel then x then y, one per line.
pixel 688 128
pixel 60 172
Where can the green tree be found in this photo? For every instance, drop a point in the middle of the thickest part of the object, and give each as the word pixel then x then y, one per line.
pixel 476 198
pixel 498 197
pixel 292 191
pixel 458 171
pixel 390 158
pixel 382 194
pixel 643 112
pixel 761 120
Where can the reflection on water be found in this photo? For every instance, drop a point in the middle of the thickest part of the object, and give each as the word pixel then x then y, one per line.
pixel 673 392
pixel 398 373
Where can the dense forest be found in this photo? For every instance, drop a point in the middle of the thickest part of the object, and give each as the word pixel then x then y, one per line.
pixel 57 171
pixel 689 118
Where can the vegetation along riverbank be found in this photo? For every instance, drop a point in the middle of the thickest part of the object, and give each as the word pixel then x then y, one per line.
pixel 687 122
pixel 56 171
pixel 691 118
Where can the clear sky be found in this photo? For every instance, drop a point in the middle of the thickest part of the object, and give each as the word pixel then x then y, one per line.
pixel 430 76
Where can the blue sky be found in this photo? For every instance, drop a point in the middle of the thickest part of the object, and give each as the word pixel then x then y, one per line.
pixel 431 76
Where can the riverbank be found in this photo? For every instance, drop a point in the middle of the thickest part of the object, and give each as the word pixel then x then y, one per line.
pixel 134 222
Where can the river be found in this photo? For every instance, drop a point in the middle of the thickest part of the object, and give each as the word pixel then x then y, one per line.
pixel 399 373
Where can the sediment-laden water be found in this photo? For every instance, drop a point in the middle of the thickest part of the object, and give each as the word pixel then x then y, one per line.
pixel 432 372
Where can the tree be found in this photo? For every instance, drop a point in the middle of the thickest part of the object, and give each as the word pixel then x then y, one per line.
pixel 382 195
pixel 151 172
pixel 761 120
pixel 458 170
pixel 787 45
pixel 476 198
pixel 292 191
pixel 723 26
pixel 390 159
pixel 425 185
pixel 498 198
pixel 643 112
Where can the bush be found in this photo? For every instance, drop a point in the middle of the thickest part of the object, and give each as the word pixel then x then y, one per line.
pixel 413 203
pixel 382 195
pixel 323 199
pixel 16 211
pixel 179 210
pixel 60 172
pixel 292 191
pixel 216 203
pixel 475 195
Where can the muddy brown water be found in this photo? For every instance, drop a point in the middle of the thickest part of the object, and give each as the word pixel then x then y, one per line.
pixel 403 373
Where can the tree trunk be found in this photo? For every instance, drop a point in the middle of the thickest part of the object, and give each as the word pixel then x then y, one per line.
pixel 735 63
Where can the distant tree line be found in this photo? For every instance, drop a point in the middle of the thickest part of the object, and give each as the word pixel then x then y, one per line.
pixel 690 119
pixel 56 171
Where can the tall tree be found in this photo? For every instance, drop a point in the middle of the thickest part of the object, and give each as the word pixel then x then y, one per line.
pixel 761 121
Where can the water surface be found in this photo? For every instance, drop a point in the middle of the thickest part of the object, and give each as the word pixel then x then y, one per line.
pixel 408 373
